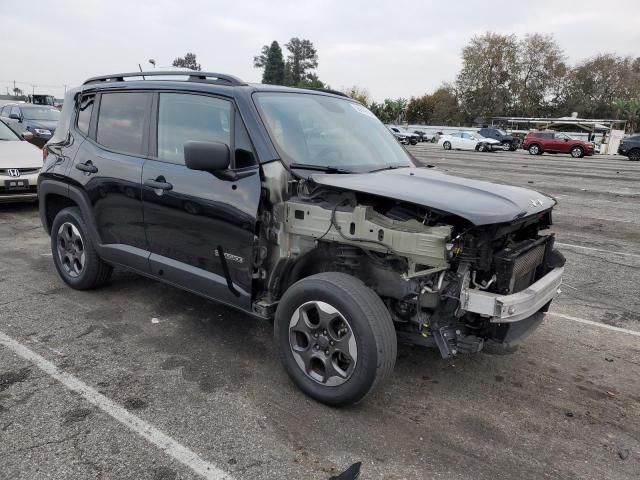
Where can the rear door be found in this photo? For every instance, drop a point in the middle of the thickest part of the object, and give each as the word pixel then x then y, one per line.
pixel 561 142
pixel 109 167
pixel 201 227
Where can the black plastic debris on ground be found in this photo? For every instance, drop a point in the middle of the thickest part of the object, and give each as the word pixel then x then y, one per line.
pixel 351 473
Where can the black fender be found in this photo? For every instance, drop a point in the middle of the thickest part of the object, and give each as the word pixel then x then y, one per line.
pixel 47 186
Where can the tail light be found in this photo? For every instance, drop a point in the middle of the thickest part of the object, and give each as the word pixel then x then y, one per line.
pixel 45 153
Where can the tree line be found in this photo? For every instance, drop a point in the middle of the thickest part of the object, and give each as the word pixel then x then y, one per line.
pixel 501 75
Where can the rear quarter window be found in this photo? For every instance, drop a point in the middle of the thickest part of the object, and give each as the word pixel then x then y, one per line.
pixel 85 109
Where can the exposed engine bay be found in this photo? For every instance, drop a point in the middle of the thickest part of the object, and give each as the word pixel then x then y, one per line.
pixel 447 283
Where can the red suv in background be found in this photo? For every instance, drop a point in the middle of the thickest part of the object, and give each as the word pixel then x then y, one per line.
pixel 556 142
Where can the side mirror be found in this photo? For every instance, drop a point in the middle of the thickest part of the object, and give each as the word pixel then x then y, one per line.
pixel 566 139
pixel 207 156
pixel 14 116
pixel 27 135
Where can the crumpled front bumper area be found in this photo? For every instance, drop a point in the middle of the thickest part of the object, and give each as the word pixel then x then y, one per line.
pixel 515 307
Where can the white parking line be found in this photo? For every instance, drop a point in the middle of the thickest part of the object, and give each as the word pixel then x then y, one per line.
pixel 170 446
pixel 570 245
pixel 596 324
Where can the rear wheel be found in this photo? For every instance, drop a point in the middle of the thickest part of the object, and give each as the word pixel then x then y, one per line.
pixel 634 154
pixel 577 152
pixel 74 255
pixel 534 149
pixel 336 338
pixel 447 145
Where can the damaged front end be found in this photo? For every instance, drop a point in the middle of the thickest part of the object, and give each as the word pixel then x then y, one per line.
pixel 447 282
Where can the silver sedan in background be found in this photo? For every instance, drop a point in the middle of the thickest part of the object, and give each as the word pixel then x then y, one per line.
pixel 20 163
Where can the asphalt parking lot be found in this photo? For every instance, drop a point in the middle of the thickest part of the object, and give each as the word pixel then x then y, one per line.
pixel 565 404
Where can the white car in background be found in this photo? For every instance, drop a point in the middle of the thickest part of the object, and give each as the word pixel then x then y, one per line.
pixel 469 141
pixel 20 163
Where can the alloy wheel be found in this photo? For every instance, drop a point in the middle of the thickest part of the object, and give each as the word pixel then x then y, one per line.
pixel 576 152
pixel 71 249
pixel 534 149
pixel 323 343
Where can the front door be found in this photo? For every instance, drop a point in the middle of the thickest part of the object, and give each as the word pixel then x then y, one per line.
pixel 200 227
pixel 16 123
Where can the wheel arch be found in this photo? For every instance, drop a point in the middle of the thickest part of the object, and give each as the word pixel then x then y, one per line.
pixel 55 195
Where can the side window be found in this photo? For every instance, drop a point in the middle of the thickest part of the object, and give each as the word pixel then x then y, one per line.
pixel 244 156
pixel 121 121
pixel 184 117
pixel 15 111
pixel 5 112
pixel 84 113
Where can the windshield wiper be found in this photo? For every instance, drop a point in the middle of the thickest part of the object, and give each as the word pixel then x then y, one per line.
pixel 388 167
pixel 319 168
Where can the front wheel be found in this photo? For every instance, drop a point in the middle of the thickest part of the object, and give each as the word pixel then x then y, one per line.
pixel 634 155
pixel 534 150
pixel 577 152
pixel 336 338
pixel 447 145
pixel 74 255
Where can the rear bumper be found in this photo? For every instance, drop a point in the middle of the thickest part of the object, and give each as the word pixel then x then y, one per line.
pixel 516 307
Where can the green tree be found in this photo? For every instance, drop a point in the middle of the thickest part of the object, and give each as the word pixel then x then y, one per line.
pixel 629 110
pixel 446 108
pixel 271 60
pixel 311 81
pixel 302 58
pixel 596 83
pixel 486 80
pixel 188 61
pixel 420 109
pixel 359 94
pixel 540 75
pixel 393 111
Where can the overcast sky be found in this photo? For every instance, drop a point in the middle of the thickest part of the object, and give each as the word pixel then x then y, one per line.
pixel 393 49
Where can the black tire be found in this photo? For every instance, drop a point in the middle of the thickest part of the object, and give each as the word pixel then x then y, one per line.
pixel 370 325
pixel 446 145
pixel 534 149
pixel 634 155
pixel 577 152
pixel 94 272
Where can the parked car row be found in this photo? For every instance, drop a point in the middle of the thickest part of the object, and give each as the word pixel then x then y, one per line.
pixel 403 135
pixel 469 141
pixel 630 148
pixel 20 164
pixel 549 141
pixel 39 120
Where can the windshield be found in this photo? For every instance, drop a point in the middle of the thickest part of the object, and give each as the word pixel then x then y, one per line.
pixel 501 132
pixel 6 133
pixel 329 132
pixel 40 113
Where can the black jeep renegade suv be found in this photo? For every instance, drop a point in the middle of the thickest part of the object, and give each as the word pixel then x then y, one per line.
pixel 298 206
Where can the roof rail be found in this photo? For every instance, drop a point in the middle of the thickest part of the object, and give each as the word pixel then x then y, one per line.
pixel 193 76
pixel 327 90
